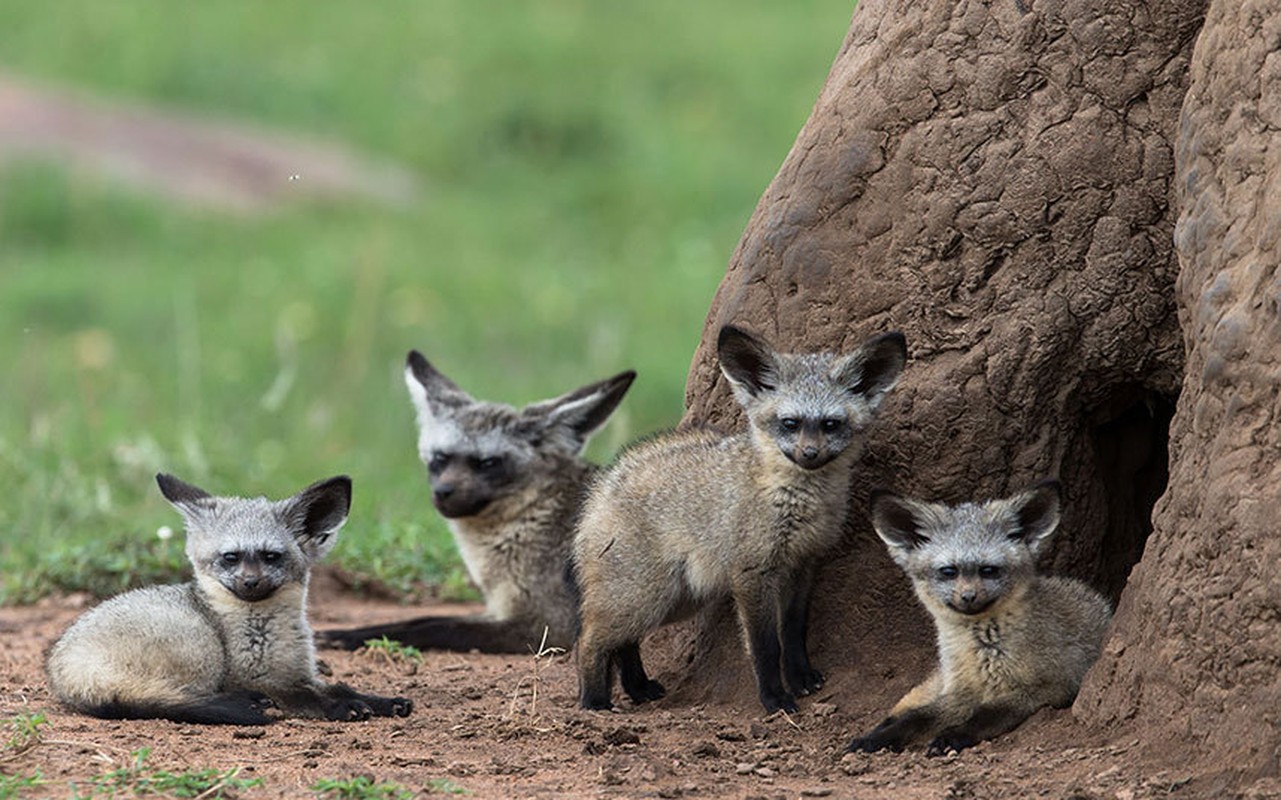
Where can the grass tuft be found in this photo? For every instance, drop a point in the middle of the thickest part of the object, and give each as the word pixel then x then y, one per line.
pixel 361 787
pixel 138 779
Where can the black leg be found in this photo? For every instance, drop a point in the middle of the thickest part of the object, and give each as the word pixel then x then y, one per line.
pixel 986 722
pixel 318 701
pixel 801 675
pixel 631 673
pixel 758 614
pixel 894 733
pixel 595 675
pixel 229 708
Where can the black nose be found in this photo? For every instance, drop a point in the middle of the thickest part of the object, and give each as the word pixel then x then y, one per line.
pixel 968 597
pixel 249 583
pixel 444 492
pixel 810 453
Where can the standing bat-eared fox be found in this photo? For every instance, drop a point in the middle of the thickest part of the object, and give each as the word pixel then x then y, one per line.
pixel 690 517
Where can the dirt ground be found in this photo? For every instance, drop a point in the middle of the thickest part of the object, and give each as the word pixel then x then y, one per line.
pixel 508 726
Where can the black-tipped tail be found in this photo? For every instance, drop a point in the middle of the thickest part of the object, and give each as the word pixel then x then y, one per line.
pixel 460 634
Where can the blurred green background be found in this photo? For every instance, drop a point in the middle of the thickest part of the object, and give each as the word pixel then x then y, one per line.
pixel 584 171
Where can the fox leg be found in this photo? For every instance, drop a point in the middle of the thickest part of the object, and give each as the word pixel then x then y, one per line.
pixel 226 708
pixel 595 670
pixel 757 604
pixel 316 700
pixel 631 673
pixel 985 722
pixel 801 675
pixel 918 713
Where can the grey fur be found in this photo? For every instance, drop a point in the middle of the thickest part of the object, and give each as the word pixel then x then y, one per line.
pixel 231 643
pixel 686 519
pixel 510 483
pixel 1009 640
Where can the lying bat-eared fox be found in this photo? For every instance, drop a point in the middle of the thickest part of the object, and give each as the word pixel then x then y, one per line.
pixel 510 482
pixel 1009 640
pixel 234 641
pixel 691 517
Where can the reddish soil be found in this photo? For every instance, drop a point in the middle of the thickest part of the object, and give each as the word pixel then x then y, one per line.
pixel 508 726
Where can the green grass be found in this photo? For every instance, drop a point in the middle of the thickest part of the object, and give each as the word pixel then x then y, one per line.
pixel 24 732
pixel 586 170
pixel 360 788
pixel 19 786
pixel 138 780
pixel 393 650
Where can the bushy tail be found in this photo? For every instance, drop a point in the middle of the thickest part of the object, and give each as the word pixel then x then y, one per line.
pixel 460 634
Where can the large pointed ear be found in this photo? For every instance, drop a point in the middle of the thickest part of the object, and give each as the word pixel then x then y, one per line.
pixel 747 361
pixel 315 514
pixel 579 414
pixel 874 368
pixel 190 500
pixel 431 392
pixel 898 521
pixel 1036 512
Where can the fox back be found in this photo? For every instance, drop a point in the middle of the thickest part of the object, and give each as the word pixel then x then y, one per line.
pixel 510 482
pixel 230 643
pixel 693 516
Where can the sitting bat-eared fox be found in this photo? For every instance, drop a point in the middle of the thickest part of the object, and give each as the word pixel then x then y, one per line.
pixel 510 482
pixel 690 517
pixel 234 641
pixel 1009 640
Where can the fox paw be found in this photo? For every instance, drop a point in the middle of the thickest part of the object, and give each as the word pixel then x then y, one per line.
pixel 651 690
pixel 871 743
pixel 805 681
pixel 947 742
pixel 389 706
pixel 350 711
pixel 781 702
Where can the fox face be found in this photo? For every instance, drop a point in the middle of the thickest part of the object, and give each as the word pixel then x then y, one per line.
pixel 967 559
pixel 251 548
pixel 812 407
pixel 480 454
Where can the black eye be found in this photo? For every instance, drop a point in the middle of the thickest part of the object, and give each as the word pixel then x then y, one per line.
pixel 830 424
pixel 230 559
pixel 948 573
pixel 789 423
pixel 438 461
pixel 988 571
pixel 271 556
pixel 487 464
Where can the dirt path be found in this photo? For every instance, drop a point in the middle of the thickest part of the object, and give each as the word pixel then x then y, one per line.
pixel 196 160
pixel 500 726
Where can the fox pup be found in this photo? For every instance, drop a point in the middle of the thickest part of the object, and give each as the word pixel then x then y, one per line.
pixel 231 643
pixel 1009 640
pixel 510 482
pixel 691 517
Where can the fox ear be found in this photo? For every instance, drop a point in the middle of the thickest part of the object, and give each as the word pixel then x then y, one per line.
pixel 1036 512
pixel 190 500
pixel 315 514
pixel 580 413
pixel 431 392
pixel 897 521
pixel 747 361
pixel 874 368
